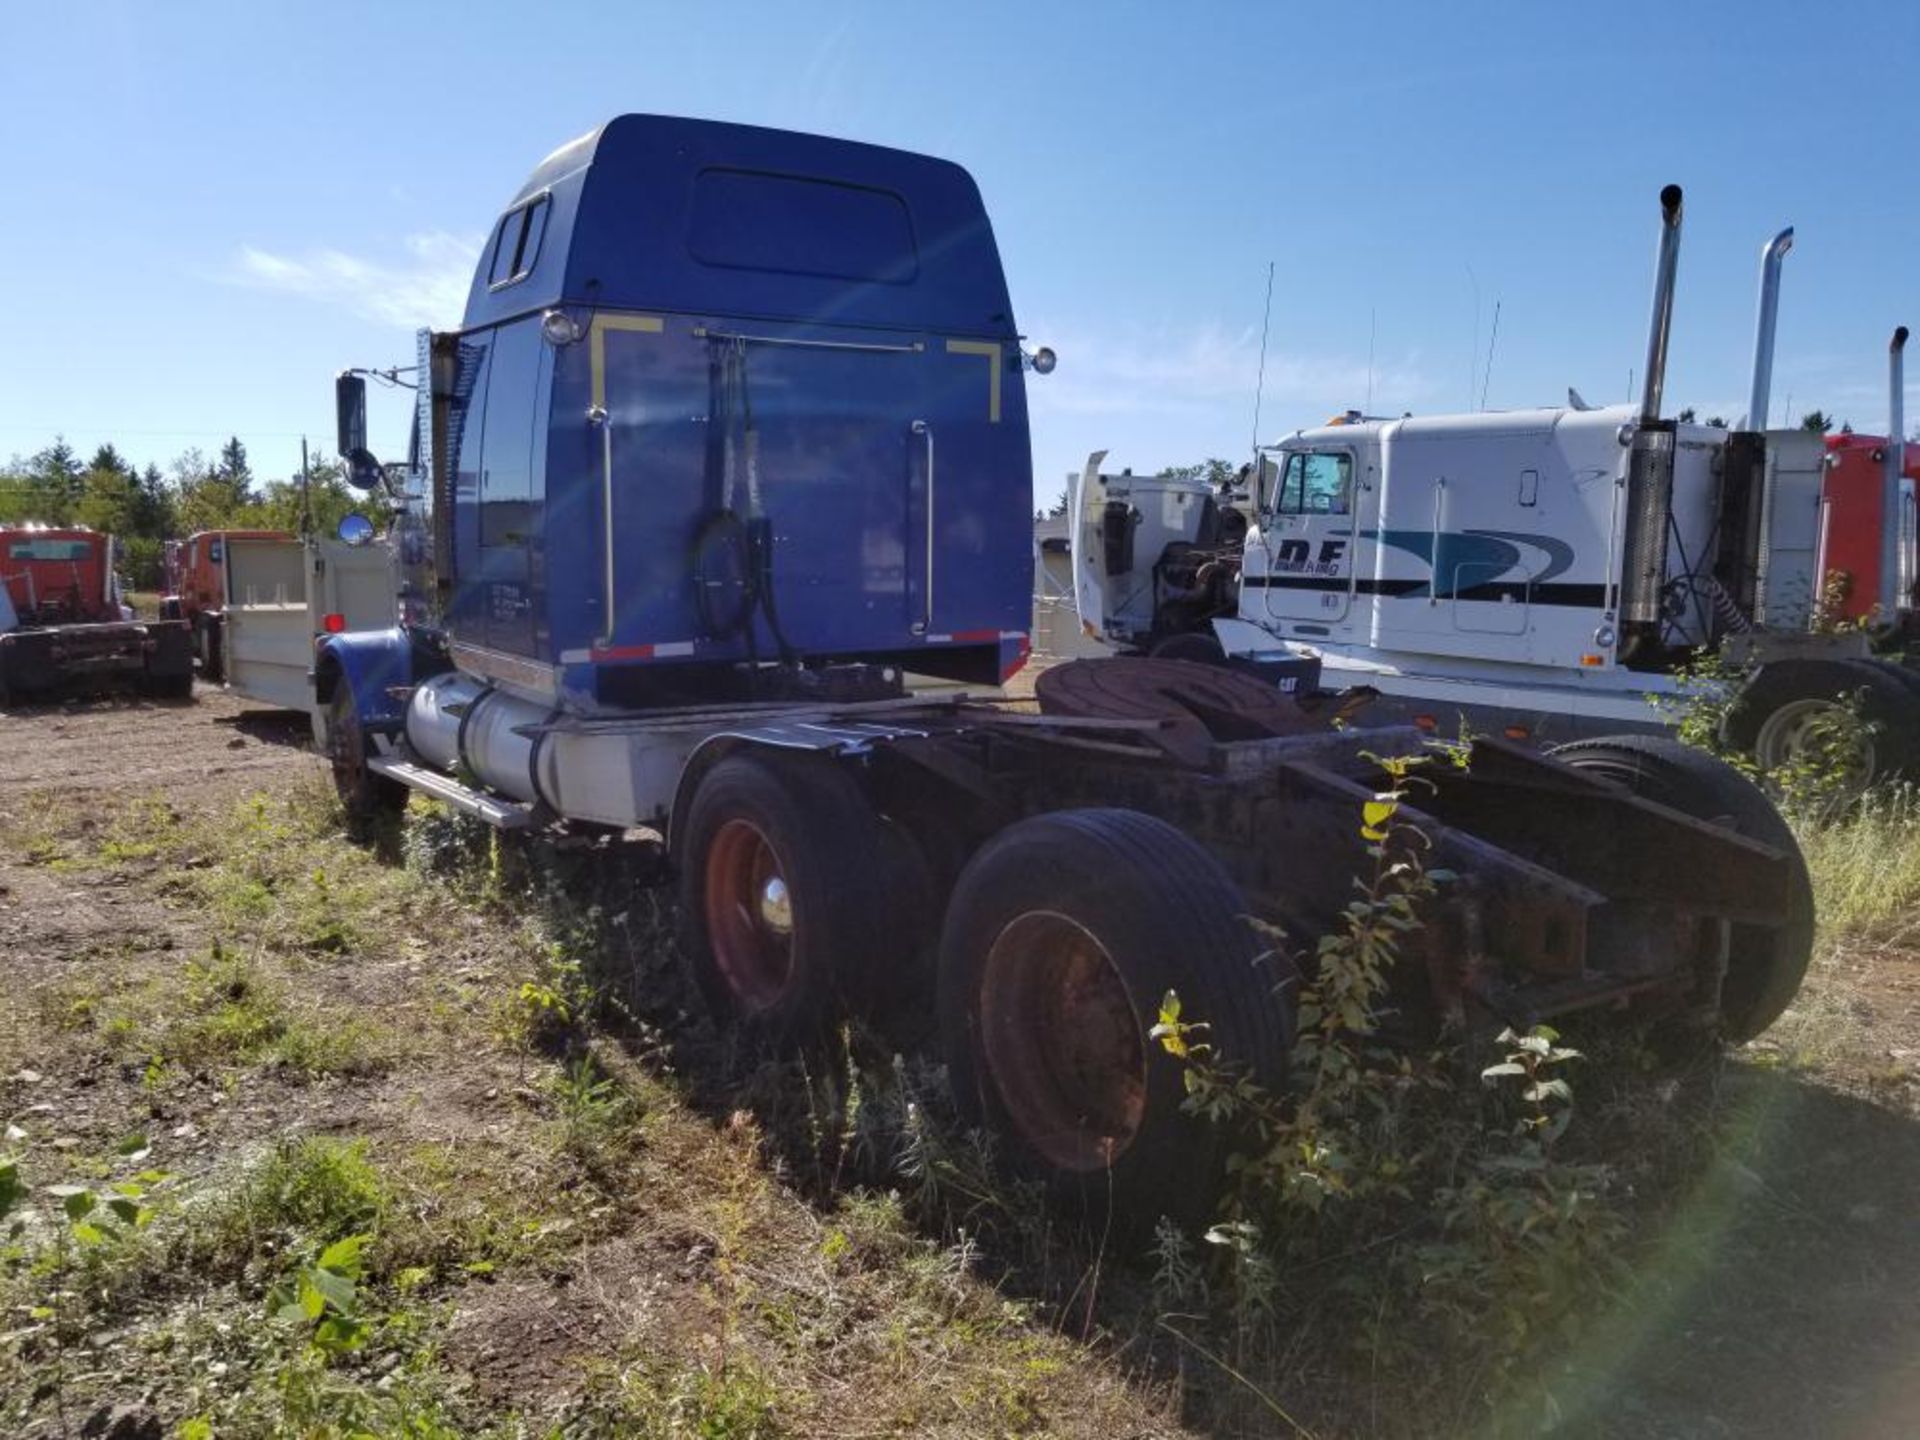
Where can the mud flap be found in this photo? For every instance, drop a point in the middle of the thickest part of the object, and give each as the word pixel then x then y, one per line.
pixel 169 651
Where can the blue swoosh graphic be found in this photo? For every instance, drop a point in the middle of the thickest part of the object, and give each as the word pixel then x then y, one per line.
pixel 1488 555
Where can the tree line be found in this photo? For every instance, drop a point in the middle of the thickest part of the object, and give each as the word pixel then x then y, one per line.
pixel 144 507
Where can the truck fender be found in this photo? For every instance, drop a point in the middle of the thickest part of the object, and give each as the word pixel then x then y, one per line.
pixel 373 663
pixel 819 739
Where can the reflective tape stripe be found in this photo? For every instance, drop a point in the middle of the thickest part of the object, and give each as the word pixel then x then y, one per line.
pixel 669 650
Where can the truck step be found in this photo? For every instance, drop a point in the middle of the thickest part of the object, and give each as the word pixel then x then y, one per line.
pixel 499 813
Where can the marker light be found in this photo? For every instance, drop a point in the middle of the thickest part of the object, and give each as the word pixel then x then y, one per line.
pixel 333 624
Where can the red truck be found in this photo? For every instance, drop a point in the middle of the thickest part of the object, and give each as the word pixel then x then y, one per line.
pixel 63 625
pixel 198 591
pixel 1852 521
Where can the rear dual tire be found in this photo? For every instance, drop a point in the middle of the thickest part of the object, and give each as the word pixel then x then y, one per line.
pixel 1765 964
pixel 782 908
pixel 1062 937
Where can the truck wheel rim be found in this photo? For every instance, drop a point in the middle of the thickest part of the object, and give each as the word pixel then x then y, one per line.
pixel 1793 735
pixel 1063 1042
pixel 749 914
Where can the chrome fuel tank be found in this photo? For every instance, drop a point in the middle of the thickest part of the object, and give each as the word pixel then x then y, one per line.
pixel 457 720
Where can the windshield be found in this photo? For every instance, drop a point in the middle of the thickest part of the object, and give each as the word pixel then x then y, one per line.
pixel 49 549
pixel 1310 482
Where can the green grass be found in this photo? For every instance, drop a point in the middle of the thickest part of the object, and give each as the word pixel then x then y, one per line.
pixel 1866 865
pixel 790 1254
pixel 224 1011
pixel 312 1190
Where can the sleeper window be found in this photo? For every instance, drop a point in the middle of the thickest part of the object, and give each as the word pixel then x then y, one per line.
pixel 746 220
pixel 517 245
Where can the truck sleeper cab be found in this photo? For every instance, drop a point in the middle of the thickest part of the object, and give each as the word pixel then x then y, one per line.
pixel 725 395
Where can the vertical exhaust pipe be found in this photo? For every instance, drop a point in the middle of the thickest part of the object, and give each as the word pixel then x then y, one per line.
pixel 1759 397
pixel 1650 465
pixel 1748 473
pixel 1892 465
pixel 1666 268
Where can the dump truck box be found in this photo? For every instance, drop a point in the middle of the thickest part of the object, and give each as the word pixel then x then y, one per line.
pixel 282 595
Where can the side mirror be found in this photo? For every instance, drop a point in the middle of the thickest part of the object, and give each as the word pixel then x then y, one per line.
pixel 364 472
pixel 355 529
pixel 350 413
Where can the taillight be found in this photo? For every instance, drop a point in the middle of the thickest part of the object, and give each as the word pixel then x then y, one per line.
pixel 334 624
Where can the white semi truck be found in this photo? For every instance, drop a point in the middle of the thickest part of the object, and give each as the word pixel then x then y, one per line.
pixel 1553 570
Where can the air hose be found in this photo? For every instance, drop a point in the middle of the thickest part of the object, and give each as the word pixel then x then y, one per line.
pixel 733 555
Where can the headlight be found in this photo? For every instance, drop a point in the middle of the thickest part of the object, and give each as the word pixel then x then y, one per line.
pixel 559 328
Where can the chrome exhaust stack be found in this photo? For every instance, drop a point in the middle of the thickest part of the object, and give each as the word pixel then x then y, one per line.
pixel 1759 397
pixel 1666 267
pixel 1650 464
pixel 1744 515
pixel 1893 463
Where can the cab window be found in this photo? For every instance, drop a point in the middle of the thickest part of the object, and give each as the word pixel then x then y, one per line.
pixel 1318 482
pixel 49 550
pixel 517 245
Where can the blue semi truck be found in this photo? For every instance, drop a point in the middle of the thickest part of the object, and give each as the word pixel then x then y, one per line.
pixel 729 450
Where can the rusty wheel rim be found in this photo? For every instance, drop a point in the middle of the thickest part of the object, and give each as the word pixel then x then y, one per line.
pixel 749 915
pixel 1063 1042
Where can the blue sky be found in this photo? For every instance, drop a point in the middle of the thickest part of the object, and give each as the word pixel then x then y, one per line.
pixel 211 208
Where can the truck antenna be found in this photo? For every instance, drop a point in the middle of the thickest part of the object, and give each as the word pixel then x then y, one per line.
pixel 1260 384
pixel 1487 379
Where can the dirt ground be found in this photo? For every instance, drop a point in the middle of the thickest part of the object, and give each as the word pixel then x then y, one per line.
pixel 569 1245
pixel 1784 1299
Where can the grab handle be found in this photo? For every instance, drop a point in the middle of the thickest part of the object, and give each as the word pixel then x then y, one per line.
pixel 921 427
pixel 598 416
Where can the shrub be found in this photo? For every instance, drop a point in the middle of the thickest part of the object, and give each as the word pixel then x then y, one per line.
pixel 1500 1238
